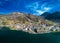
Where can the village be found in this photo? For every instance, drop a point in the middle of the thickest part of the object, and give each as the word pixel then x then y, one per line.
pixel 34 28
pixel 42 28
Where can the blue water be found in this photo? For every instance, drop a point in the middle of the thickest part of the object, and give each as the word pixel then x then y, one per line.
pixel 23 37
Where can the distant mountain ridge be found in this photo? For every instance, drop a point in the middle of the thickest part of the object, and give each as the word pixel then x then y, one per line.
pixel 53 17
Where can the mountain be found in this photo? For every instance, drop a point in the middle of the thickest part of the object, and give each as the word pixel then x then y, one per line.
pixel 45 14
pixel 19 17
pixel 19 21
pixel 26 22
pixel 55 17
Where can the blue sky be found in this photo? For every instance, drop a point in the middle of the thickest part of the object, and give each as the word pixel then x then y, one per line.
pixel 36 7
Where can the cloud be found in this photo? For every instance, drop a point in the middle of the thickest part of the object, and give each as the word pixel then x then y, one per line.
pixel 39 8
pixel 39 12
pixel 33 6
pixel 46 8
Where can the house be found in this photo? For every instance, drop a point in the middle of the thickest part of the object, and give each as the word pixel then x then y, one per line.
pixel 53 28
pixel 0 20
pixel 43 25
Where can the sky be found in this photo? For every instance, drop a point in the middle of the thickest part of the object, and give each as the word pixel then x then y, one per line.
pixel 36 7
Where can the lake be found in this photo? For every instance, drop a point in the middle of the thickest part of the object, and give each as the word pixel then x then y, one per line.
pixel 23 37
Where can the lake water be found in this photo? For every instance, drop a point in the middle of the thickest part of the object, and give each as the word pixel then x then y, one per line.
pixel 23 37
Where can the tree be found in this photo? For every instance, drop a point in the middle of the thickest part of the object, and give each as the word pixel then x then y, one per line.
pixel 5 28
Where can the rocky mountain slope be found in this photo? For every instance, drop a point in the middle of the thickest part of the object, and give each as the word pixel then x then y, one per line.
pixel 20 17
pixel 28 22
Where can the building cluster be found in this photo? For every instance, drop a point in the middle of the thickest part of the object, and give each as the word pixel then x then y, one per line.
pixel 37 28
pixel 34 27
